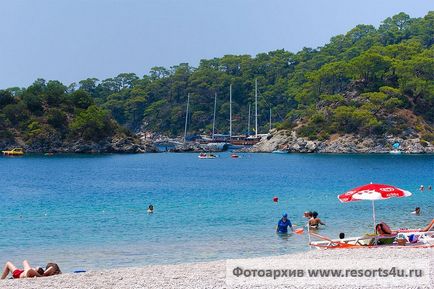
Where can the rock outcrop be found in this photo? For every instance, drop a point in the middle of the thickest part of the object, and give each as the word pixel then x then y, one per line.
pixel 115 144
pixel 348 143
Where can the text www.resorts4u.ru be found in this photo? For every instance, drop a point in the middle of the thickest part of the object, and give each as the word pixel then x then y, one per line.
pixel 327 273
pixel 369 272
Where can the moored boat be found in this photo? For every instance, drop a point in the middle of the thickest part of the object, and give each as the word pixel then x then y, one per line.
pixel 14 152
pixel 207 156
pixel 396 150
pixel 279 152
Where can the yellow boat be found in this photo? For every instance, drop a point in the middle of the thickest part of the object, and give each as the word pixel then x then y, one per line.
pixel 14 152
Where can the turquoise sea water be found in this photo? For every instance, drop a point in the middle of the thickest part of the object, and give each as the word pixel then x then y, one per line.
pixel 89 212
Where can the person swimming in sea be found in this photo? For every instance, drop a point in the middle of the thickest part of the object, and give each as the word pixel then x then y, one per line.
pixel 314 221
pixel 416 211
pixel 150 209
pixel 283 224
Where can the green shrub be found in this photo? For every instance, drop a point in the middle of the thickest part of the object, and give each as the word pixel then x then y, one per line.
pixel 94 123
pixel 56 118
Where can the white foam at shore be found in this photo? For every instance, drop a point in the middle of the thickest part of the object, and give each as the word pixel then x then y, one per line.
pixel 200 275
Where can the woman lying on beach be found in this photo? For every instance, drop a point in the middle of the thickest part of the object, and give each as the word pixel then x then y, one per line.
pixel 28 271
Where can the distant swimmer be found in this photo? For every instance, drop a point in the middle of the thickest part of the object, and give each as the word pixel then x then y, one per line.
pixel 283 224
pixel 150 209
pixel 421 188
pixel 416 211
pixel 429 188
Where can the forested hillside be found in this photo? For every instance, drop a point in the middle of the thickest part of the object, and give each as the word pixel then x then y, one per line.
pixel 370 81
pixel 50 117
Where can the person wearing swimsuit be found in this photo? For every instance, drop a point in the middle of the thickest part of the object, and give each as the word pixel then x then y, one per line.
pixel 28 271
pixel 314 221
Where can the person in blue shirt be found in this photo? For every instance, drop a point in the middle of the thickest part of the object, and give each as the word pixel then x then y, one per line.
pixel 283 224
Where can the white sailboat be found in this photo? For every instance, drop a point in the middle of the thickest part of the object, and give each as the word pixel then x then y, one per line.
pixel 230 112
pixel 256 107
pixel 213 120
pixel 248 123
pixel 186 118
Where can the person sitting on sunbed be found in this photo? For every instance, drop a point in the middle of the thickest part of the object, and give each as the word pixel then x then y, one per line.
pixel 383 229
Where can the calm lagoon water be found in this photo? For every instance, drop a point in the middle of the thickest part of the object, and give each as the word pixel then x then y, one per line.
pixel 89 212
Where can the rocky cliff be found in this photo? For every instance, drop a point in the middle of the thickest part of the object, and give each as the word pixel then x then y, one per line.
pixel 348 143
pixel 114 144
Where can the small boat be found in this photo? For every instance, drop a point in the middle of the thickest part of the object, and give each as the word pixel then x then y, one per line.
pixel 235 156
pixel 14 152
pixel 396 150
pixel 279 152
pixel 207 156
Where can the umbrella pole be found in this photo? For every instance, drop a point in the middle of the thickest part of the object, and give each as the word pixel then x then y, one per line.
pixel 373 213
pixel 308 233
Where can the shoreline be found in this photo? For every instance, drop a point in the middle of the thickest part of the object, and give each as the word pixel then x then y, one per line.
pixel 238 151
pixel 207 274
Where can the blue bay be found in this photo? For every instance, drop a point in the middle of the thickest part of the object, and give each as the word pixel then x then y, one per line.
pixel 89 211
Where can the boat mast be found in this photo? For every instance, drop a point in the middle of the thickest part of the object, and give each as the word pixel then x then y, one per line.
pixel 230 111
pixel 213 121
pixel 186 118
pixel 248 123
pixel 256 107
pixel 270 118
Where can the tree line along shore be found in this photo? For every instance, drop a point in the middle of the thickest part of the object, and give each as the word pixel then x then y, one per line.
pixel 370 83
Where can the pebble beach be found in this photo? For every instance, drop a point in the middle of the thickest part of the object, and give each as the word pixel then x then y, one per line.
pixel 208 274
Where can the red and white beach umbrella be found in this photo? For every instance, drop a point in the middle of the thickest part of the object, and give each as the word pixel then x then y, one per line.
pixel 373 192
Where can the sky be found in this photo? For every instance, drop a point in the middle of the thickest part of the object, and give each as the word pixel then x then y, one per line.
pixel 71 40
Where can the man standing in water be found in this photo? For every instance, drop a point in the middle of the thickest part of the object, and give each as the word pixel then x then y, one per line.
pixel 283 224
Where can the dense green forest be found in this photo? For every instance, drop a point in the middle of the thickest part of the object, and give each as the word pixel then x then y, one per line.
pixel 370 81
